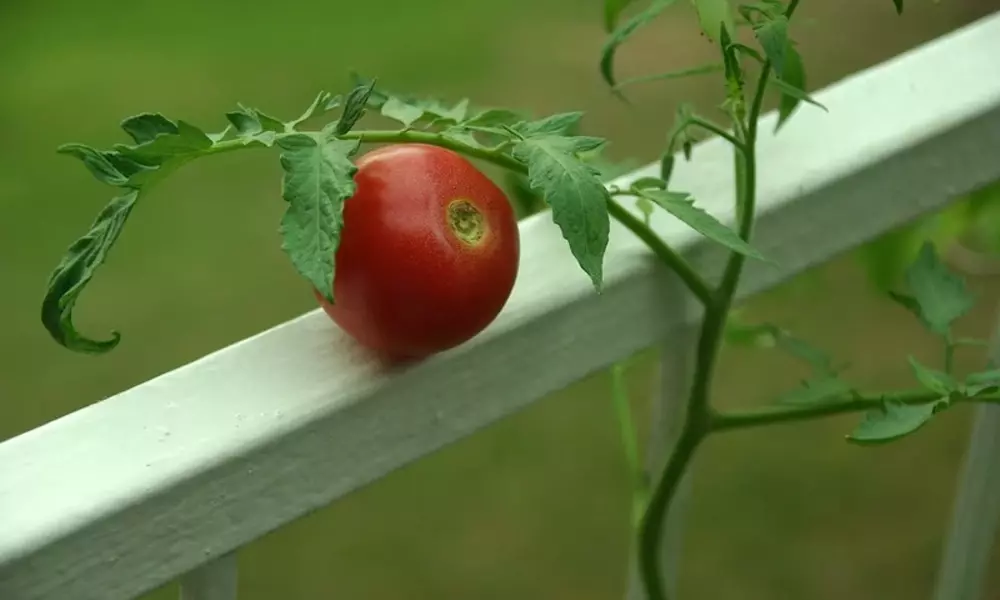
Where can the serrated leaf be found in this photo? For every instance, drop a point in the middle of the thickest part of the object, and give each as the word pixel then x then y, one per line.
pixel 681 206
pixel 575 193
pixel 612 10
pixel 318 178
pixel 267 122
pixel 221 135
pixel 817 390
pixel 939 295
pixel 772 35
pixel 935 381
pixel 407 114
pixel 323 102
pixel 146 126
pixel 249 128
pixel 893 420
pixel 188 140
pixel 354 107
pixel 443 114
pixel 623 32
pixel 76 269
pixel 96 162
pixel 461 135
pixel 713 15
pixel 493 117
pixel 554 125
pixel 244 123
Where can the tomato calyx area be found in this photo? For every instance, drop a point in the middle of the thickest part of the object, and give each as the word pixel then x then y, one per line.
pixel 466 222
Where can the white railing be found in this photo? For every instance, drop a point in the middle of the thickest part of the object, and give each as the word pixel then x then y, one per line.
pixel 169 478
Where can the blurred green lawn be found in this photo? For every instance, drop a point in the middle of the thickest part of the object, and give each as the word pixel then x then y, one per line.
pixel 535 507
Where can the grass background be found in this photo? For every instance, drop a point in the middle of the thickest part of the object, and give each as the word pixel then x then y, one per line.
pixel 536 506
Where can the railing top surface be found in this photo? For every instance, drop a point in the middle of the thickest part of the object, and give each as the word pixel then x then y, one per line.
pixel 126 494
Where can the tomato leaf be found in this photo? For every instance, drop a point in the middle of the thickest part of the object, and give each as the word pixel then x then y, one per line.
pixel 681 206
pixel 407 114
pixel 493 118
pixel 76 269
pixel 792 85
pixel 324 101
pixel 354 106
pixel 612 10
pixel 146 126
pixel 935 381
pixel 249 128
pixel 572 189
pixel 938 296
pixel 318 178
pixel 188 140
pixel 713 15
pixel 623 32
pixel 772 34
pixel 560 124
pixel 893 420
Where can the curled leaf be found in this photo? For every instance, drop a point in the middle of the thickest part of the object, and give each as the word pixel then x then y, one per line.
pixel 76 269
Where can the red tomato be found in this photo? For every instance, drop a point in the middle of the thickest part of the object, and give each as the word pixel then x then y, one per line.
pixel 428 253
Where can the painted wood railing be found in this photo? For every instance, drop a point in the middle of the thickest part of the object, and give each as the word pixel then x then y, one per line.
pixel 169 479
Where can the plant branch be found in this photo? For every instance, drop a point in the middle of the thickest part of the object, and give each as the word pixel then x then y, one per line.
pixel 661 249
pixel 699 418
pixel 770 415
pixel 717 130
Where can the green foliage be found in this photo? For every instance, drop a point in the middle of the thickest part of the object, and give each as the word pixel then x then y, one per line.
pixel 612 10
pixel 623 32
pixel 354 107
pixel 714 16
pixel 825 383
pixel 937 296
pixel 934 380
pixel 76 269
pixel 893 420
pixel 772 35
pixel 318 178
pixel 681 205
pixel 570 186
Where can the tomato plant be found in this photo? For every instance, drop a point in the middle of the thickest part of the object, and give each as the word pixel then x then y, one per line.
pixel 412 250
pixel 427 255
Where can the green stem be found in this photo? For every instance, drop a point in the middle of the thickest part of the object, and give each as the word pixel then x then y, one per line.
pixel 623 410
pixel 770 415
pixel 661 249
pixel 949 355
pixel 700 416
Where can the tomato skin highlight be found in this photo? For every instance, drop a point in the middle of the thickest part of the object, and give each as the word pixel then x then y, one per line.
pixel 428 253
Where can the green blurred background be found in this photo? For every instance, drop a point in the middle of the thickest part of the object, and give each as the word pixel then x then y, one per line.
pixel 536 506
